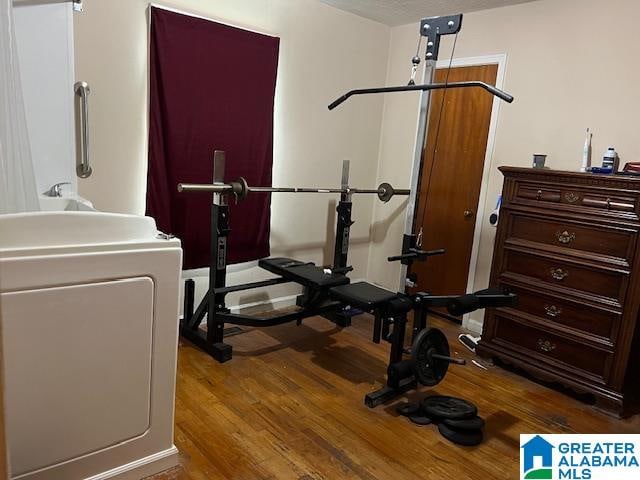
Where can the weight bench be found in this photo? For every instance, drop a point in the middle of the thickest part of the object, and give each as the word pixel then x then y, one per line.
pixel 364 296
pixel 306 274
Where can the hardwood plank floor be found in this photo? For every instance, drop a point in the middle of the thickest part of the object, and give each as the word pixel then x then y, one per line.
pixel 290 406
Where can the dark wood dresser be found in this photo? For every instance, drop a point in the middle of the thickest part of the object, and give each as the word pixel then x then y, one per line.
pixel 567 244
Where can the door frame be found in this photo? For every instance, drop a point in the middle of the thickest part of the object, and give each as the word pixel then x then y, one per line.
pixel 483 209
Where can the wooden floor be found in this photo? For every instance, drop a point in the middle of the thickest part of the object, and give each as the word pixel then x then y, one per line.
pixel 290 405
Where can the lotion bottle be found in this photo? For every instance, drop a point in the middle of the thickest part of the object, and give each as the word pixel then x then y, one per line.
pixel 610 159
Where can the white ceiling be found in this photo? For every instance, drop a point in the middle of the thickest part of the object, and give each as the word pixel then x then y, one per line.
pixel 401 12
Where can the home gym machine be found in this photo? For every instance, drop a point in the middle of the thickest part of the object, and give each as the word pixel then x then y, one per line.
pixel 329 290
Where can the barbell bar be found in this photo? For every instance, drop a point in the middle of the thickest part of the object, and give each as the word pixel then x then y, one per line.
pixel 241 189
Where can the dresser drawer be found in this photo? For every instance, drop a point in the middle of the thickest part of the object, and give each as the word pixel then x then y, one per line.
pixel 593 320
pixel 603 201
pixel 556 272
pixel 573 236
pixel 552 348
pixel 599 201
pixel 539 193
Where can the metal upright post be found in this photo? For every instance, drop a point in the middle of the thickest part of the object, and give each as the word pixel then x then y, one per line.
pixel 432 28
pixel 218 264
pixel 343 222
pixel 416 165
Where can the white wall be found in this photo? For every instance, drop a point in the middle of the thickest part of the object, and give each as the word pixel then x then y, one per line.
pixel 323 53
pixel 571 64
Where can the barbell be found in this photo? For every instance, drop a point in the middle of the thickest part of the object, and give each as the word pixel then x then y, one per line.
pixel 240 189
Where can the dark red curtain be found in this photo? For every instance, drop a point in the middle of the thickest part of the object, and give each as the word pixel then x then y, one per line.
pixel 212 88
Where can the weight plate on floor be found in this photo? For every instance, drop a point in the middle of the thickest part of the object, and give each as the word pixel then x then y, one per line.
pixel 467 438
pixel 430 371
pixel 448 407
pixel 473 423
pixel 420 419
pixel 408 408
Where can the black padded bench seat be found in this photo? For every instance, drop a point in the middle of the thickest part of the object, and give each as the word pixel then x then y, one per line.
pixel 362 295
pixel 307 274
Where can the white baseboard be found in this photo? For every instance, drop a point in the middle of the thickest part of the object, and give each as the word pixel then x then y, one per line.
pixel 474 325
pixel 275 303
pixel 144 467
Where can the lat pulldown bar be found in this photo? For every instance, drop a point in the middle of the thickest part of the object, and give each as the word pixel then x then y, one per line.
pixel 429 86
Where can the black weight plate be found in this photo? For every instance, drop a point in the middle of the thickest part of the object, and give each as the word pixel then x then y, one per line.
pixel 420 419
pixel 429 371
pixel 467 438
pixel 448 407
pixel 473 423
pixel 408 408
pixel 385 192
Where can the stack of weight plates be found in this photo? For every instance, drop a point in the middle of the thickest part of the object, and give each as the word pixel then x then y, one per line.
pixel 457 419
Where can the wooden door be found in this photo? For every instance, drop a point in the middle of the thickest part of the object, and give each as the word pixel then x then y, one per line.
pixel 451 178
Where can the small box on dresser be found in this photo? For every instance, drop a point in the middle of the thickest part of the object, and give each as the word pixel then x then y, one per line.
pixel 566 244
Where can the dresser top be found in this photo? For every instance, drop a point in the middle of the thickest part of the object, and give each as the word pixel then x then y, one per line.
pixel 623 181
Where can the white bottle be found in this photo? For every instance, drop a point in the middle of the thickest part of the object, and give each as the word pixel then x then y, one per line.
pixel 610 159
pixel 586 153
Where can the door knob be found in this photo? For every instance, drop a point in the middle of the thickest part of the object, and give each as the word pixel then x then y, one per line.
pixel 468 213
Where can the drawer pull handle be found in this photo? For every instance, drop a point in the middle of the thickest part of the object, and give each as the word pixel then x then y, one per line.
pixel 571 197
pixel 538 194
pixel 565 237
pixel 608 204
pixel 558 274
pixel 546 345
pixel 552 310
